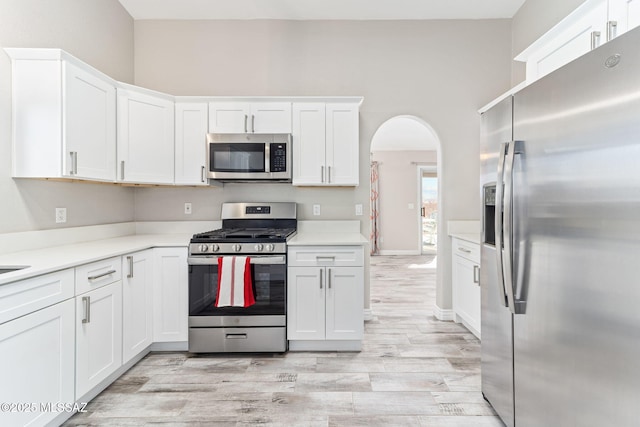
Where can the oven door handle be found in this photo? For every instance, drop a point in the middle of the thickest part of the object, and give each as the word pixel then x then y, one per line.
pixel 257 260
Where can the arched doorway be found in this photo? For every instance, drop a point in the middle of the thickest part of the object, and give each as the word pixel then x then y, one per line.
pixel 405 192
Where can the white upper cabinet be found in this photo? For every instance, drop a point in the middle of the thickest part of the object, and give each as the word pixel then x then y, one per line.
pixel 145 136
pixel 249 117
pixel 593 23
pixel 325 144
pixel 190 143
pixel 64 117
pixel 624 15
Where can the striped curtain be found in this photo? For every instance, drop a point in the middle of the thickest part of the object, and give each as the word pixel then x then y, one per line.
pixel 374 212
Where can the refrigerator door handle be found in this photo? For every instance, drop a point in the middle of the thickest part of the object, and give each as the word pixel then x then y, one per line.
pixel 513 148
pixel 499 221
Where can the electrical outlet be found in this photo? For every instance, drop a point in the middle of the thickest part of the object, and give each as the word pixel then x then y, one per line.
pixel 411 206
pixel 359 209
pixel 61 215
pixel 187 208
pixel 316 209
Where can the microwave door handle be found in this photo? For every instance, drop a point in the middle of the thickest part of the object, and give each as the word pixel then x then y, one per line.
pixel 267 157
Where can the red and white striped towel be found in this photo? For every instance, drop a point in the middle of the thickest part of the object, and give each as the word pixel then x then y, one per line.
pixel 234 282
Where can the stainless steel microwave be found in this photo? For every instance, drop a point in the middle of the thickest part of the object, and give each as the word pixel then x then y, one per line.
pixel 249 157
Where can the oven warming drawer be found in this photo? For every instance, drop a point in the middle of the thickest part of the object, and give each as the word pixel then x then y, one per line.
pixel 237 340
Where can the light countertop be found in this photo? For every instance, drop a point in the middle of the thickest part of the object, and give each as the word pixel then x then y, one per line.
pixel 468 237
pixel 47 260
pixel 327 239
pixel 328 233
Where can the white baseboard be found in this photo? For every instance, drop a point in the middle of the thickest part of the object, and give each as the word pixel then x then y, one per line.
pixel 368 314
pixel 399 252
pixel 443 313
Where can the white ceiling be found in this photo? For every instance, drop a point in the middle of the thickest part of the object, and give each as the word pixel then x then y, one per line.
pixel 321 9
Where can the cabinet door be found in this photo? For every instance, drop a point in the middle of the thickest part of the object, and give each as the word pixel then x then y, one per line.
pixel 270 117
pixel 573 42
pixel 625 14
pixel 229 117
pixel 37 362
pixel 345 303
pixel 306 303
pixel 145 138
pixel 89 125
pixel 190 143
pixel 343 143
pixel 170 295
pixel 309 127
pixel 98 336
pixel 137 303
pixel 466 291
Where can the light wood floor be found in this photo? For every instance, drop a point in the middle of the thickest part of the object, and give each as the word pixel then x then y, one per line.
pixel 413 371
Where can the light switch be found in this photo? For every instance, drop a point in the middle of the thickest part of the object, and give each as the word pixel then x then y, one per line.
pixel 411 206
pixel 359 209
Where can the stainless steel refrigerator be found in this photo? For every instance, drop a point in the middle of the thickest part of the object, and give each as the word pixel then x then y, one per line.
pixel 560 257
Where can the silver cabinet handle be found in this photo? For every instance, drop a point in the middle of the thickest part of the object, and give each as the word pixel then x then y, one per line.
pixel 329 277
pixel 326 258
pixel 203 174
pixel 476 274
pixel 320 278
pixel 465 250
pixel 595 39
pixel 245 123
pixel 612 30
pixel 322 173
pixel 130 261
pixel 122 170
pixel 100 276
pixel 74 163
pixel 86 302
pixel 329 174
pixel 236 336
pixel 253 123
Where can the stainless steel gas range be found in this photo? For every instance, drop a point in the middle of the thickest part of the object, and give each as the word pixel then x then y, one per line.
pixel 260 232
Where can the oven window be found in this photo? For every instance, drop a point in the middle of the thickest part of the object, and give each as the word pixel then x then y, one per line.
pixel 236 157
pixel 269 289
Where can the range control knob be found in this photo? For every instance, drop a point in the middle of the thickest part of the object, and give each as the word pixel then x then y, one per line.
pixel 203 248
pixel 215 248
pixel 236 248
pixel 270 248
pixel 259 247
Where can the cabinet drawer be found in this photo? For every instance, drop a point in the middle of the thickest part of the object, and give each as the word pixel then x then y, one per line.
pixel 319 256
pixel 468 250
pixel 26 296
pixel 98 274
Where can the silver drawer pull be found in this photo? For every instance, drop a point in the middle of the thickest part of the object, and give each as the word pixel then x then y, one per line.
pixel 325 258
pixel 86 301
pixel 465 250
pixel 236 336
pixel 100 276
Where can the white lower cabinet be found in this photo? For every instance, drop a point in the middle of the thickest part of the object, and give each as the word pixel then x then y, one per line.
pixel 466 284
pixel 98 336
pixel 37 364
pixel 137 303
pixel 170 296
pixel 325 298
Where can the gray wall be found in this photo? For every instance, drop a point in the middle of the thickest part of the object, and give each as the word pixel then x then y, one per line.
pixel 439 71
pixel 99 32
pixel 533 19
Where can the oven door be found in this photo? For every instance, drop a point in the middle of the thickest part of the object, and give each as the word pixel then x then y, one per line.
pixel 269 278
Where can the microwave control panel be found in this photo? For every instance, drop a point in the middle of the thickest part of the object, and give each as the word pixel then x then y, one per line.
pixel 278 157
